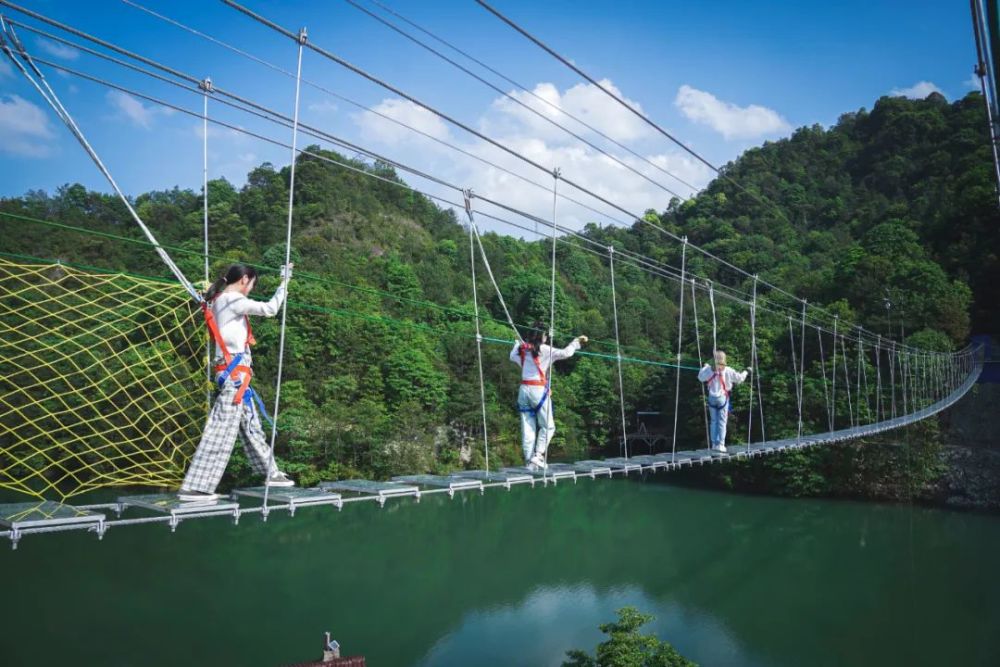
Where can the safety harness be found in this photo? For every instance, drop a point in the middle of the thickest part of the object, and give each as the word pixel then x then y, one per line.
pixel 722 383
pixel 541 382
pixel 238 372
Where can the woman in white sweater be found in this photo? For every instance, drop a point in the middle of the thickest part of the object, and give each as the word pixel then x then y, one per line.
pixel 535 358
pixel 234 411
pixel 720 381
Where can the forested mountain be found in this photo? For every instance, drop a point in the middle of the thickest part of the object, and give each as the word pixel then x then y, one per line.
pixel 897 203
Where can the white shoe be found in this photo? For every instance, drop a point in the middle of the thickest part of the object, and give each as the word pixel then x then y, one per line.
pixel 721 448
pixel 530 466
pixel 539 462
pixel 279 479
pixel 196 496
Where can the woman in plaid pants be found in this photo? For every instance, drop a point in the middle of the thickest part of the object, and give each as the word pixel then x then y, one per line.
pixel 234 412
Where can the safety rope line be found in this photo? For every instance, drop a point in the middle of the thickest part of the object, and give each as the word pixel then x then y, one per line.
pixel 470 195
pixel 552 315
pixel 795 377
pixel 760 391
pixel 879 398
pixel 680 335
pixel 826 391
pixel 892 375
pixel 52 99
pixel 479 337
pixel 206 88
pixel 288 259
pixel 847 381
pixel 833 371
pixel 753 352
pixel 857 393
pixel 868 392
pixel 704 392
pixel 618 355
pixel 802 367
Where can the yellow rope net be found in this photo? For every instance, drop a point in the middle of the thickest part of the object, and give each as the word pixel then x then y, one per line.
pixel 101 380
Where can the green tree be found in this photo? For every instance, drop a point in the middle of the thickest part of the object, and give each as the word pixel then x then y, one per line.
pixel 626 647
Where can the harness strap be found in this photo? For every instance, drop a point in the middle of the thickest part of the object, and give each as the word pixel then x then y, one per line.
pixel 237 372
pixel 541 382
pixel 232 368
pixel 722 382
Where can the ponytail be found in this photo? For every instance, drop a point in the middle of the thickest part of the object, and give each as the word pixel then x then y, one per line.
pixel 233 274
pixel 215 288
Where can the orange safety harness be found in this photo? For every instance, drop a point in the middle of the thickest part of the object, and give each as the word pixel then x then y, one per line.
pixel 240 373
pixel 542 381
pixel 722 382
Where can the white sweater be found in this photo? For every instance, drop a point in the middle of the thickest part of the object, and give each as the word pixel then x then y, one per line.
pixel 730 377
pixel 231 310
pixel 546 355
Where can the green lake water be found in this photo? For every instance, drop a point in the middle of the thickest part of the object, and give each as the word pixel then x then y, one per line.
pixel 517 578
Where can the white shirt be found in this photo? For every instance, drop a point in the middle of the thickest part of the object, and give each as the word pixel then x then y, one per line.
pixel 231 310
pixel 546 355
pixel 730 377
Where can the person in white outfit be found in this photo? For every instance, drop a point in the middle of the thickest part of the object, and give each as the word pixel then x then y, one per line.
pixel 235 409
pixel 720 381
pixel 535 357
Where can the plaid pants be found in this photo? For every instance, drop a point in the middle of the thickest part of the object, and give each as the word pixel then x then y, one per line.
pixel 226 421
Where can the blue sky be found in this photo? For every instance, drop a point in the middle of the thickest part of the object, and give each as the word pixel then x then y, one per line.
pixel 721 76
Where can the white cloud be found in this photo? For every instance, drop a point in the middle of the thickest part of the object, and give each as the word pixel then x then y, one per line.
pixel 57 50
pixel 375 128
pixel 586 102
pixel 326 107
pixel 218 132
pixel 5 69
pixel 726 118
pixel 528 135
pixel 918 91
pixel 972 82
pixel 133 110
pixel 24 128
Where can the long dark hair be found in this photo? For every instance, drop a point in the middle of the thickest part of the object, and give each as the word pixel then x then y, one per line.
pixel 535 337
pixel 233 274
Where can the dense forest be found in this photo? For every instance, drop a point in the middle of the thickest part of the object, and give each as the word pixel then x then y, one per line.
pixel 894 204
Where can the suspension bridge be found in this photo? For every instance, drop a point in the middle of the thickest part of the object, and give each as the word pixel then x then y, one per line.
pixel 78 361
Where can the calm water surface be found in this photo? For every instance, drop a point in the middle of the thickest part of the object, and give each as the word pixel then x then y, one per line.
pixel 517 579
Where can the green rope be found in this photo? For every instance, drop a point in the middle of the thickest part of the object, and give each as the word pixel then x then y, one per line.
pixel 309 276
pixel 391 321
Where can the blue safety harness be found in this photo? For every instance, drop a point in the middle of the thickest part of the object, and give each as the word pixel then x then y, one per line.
pixel 249 395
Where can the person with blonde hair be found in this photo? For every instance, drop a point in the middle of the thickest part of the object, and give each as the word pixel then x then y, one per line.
pixel 720 382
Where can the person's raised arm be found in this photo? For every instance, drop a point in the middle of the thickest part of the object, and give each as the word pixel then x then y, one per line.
pixel 267 308
pixel 515 353
pixel 569 350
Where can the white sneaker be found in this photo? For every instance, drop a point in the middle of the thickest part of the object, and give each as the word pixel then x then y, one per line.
pixel 721 448
pixel 539 462
pixel 530 465
pixel 196 496
pixel 279 479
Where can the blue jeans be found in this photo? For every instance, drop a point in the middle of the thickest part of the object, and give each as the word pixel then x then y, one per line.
pixel 718 410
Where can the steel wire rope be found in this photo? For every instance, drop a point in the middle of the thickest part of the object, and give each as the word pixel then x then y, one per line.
pixel 513 99
pixel 527 90
pixel 362 107
pixel 265 112
pixel 380 82
pixel 357 70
